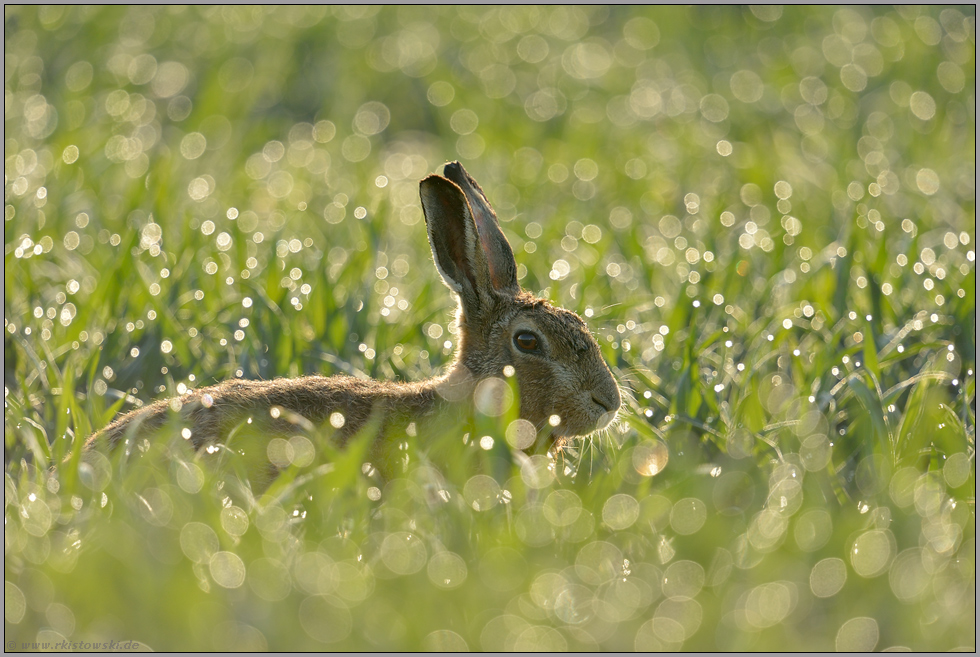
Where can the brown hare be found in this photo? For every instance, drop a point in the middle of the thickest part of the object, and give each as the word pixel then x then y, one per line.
pixel 565 386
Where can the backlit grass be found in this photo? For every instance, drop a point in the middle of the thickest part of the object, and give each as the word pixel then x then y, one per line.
pixel 767 217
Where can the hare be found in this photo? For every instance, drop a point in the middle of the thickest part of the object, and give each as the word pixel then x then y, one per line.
pixel 564 384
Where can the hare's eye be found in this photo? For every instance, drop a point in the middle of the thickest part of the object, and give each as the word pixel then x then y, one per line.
pixel 526 341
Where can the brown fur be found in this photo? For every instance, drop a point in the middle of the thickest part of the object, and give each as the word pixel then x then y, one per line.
pixel 312 398
pixel 566 377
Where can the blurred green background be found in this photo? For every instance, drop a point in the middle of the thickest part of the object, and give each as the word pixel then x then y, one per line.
pixel 766 214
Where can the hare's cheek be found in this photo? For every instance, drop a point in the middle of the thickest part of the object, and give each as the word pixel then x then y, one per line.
pixel 535 409
pixel 536 378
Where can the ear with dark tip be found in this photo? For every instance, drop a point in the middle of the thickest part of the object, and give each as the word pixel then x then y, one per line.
pixel 454 240
pixel 496 249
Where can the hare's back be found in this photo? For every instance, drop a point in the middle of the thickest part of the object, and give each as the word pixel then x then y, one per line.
pixel 345 402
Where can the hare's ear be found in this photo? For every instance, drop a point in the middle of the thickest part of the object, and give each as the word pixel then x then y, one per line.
pixel 455 242
pixel 496 249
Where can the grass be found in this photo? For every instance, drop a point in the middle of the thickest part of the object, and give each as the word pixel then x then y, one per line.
pixel 767 216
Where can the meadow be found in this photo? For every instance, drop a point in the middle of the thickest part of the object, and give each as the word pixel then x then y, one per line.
pixel 766 215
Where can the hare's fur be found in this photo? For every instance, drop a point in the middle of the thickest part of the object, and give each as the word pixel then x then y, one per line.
pixel 564 376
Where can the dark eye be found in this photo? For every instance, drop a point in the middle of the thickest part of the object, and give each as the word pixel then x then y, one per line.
pixel 526 341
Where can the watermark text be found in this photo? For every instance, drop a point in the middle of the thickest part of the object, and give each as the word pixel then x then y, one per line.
pixel 65 644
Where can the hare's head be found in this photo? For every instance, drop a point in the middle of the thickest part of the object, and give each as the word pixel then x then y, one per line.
pixel 559 368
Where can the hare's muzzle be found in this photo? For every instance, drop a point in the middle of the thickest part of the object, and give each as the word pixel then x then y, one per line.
pixel 609 400
pixel 606 418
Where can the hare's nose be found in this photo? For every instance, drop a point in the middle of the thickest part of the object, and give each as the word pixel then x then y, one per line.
pixel 606 403
pixel 607 396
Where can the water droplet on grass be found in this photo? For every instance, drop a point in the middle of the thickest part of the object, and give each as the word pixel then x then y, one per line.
pixel 447 570
pixel 827 577
pixel 620 511
pixel 857 635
